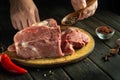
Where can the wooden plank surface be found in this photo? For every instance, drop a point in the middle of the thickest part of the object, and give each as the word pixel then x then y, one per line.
pixel 109 18
pixel 91 68
pixel 85 70
pixel 5 75
pixel 102 47
pixel 48 74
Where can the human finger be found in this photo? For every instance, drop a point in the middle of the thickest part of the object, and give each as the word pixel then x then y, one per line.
pixel 37 18
pixel 24 23
pixel 82 15
pixel 31 20
pixel 89 11
pixel 82 4
pixel 86 14
pixel 19 25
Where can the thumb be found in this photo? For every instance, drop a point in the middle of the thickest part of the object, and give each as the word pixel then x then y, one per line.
pixel 82 4
pixel 78 4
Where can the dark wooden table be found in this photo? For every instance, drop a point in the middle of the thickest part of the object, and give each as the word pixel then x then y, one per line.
pixel 93 67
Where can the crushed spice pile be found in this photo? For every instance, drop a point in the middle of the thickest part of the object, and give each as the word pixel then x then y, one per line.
pixel 105 30
pixel 71 20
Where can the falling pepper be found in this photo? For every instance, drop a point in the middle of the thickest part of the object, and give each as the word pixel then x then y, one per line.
pixel 10 66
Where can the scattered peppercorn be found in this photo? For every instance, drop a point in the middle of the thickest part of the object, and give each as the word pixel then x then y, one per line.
pixel 106 58
pixel 48 74
pixel 45 75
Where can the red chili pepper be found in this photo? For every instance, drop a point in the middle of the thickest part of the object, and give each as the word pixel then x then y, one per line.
pixel 10 66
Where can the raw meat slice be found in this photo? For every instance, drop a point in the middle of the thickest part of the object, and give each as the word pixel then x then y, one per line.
pixel 73 38
pixel 39 41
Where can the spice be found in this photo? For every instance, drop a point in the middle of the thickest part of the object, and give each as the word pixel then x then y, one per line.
pixel 71 20
pixel 49 73
pixel 112 52
pixel 107 57
pixel 45 75
pixel 104 30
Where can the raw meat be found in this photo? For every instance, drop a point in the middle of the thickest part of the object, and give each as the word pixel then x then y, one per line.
pixel 73 38
pixel 45 39
pixel 39 41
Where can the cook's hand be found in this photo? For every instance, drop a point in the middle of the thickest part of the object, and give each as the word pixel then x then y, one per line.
pixel 82 4
pixel 23 13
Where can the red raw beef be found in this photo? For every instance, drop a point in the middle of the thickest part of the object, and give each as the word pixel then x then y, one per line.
pixel 45 39
pixel 39 41
pixel 73 38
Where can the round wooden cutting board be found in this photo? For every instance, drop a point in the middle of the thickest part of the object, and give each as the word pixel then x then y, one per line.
pixel 48 62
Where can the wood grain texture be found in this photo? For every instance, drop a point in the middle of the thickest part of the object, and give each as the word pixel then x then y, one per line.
pixel 5 75
pixel 102 48
pixel 86 70
pixel 49 74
